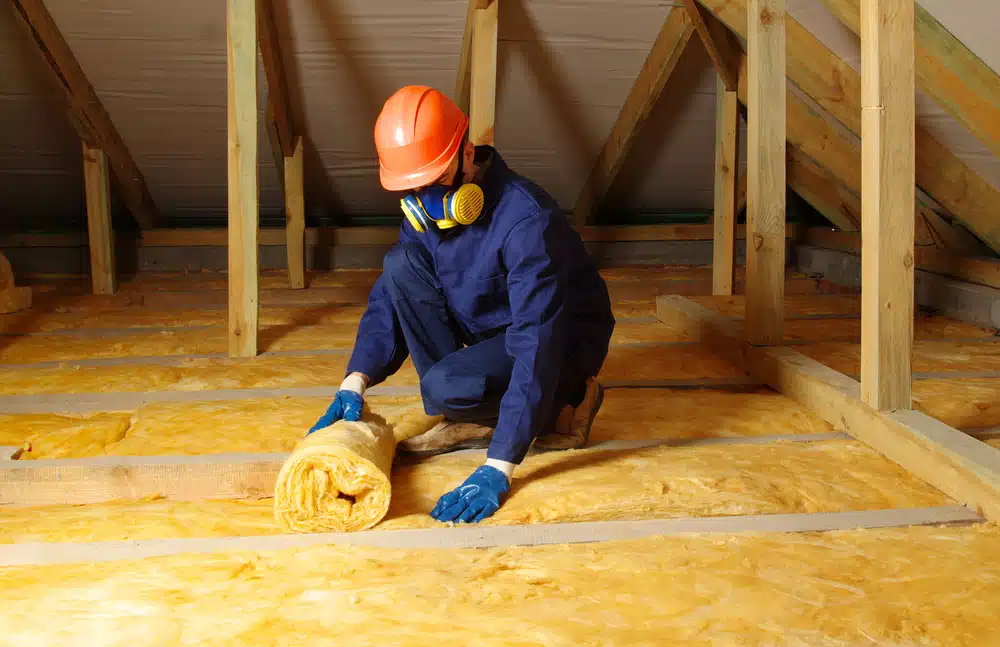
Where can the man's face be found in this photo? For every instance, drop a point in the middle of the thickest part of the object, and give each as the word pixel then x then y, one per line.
pixel 469 151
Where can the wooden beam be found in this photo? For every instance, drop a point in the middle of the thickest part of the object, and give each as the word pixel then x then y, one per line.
pixel 244 288
pixel 652 78
pixel 727 128
pixel 887 201
pixel 720 43
pixel 86 111
pixel 476 536
pixel 463 81
pixel 101 235
pixel 12 298
pixel 979 270
pixel 957 79
pixel 765 274
pixel 484 76
pixel 957 464
pixel 836 87
pixel 278 98
pixel 295 218
pixel 820 188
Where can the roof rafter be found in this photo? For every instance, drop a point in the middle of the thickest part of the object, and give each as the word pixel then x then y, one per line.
pixel 649 83
pixel 947 70
pixel 87 114
pixel 836 87
pixel 720 43
pixel 278 97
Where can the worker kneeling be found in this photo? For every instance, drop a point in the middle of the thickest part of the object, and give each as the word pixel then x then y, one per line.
pixel 492 294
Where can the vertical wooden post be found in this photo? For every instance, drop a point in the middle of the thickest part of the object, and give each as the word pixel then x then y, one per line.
pixel 295 218
pixel 766 116
pixel 727 128
pixel 484 75
pixel 244 291
pixel 97 184
pixel 887 201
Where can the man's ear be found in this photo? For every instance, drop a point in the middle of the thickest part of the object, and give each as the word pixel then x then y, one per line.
pixel 470 153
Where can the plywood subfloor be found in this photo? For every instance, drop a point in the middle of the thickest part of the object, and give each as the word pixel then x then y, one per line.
pixel 912 586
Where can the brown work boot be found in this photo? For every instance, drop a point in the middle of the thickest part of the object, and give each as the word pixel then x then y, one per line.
pixel 447 437
pixel 572 429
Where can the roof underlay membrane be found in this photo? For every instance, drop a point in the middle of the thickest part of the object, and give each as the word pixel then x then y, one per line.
pixel 564 71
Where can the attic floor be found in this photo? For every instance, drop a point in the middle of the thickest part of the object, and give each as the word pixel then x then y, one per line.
pixel 163 337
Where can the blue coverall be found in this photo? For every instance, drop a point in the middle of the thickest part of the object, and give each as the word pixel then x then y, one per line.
pixel 505 319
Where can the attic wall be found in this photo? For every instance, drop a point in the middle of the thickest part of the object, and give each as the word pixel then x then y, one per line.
pixel 564 70
pixel 40 157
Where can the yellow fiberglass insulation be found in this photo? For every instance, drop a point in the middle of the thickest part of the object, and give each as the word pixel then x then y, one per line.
pixel 337 479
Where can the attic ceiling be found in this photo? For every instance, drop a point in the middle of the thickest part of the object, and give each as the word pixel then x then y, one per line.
pixel 564 70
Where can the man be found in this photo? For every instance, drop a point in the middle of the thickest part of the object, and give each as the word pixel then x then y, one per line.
pixel 492 294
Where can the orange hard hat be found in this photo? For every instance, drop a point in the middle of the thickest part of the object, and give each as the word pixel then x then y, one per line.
pixel 417 135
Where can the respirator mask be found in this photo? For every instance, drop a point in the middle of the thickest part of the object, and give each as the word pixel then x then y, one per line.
pixel 443 206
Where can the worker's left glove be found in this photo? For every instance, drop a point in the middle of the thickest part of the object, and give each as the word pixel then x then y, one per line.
pixel 476 499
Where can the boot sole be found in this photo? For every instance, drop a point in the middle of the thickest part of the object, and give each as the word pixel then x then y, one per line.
pixel 465 444
pixel 590 423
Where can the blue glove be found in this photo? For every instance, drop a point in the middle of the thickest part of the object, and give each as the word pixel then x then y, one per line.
pixel 346 405
pixel 477 498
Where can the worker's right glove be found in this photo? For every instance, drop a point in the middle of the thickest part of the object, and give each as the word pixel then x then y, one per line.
pixel 347 404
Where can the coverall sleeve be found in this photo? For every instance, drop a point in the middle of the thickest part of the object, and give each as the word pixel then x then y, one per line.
pixel 536 285
pixel 379 347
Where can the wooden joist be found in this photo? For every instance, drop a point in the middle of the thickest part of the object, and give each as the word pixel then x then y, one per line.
pixel 87 113
pixel 483 536
pixel 979 270
pixel 244 288
pixel 652 78
pixel 957 79
pixel 836 87
pixel 484 75
pixel 766 154
pixel 957 464
pixel 720 43
pixel 101 236
pixel 887 199
pixel 727 127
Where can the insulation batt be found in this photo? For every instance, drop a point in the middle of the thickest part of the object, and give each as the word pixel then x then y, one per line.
pixel 899 587
pixel 338 478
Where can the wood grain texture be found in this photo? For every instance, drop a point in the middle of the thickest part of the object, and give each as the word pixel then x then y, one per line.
pixel 107 478
pixel 722 46
pixel 97 185
pixel 727 125
pixel 887 200
pixel 244 291
pixel 278 97
pixel 295 217
pixel 836 87
pixel 962 467
pixel 463 77
pixel 87 113
pixel 947 71
pixel 649 83
pixel 484 75
pixel 464 536
pixel 766 152
pixel 979 270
